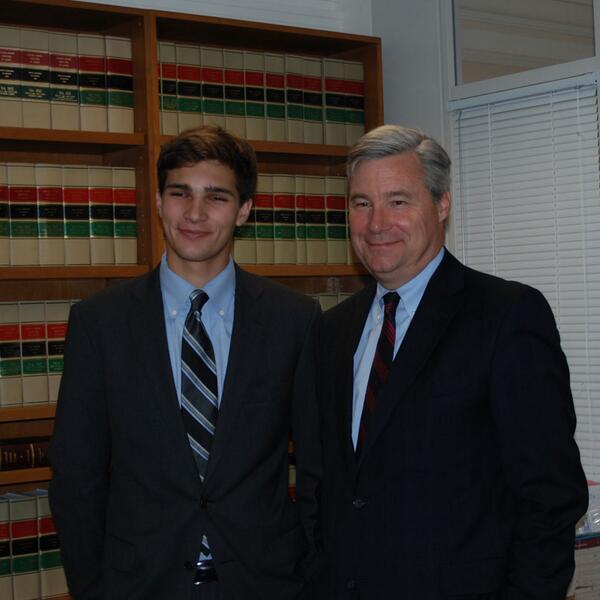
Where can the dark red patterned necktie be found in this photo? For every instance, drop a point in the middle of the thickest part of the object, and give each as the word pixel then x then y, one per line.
pixel 382 362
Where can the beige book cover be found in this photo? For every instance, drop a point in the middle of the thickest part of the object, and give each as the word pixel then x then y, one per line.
pixel 102 232
pixel 35 77
pixel 316 241
pixel 235 105
pixel 76 203
pixel 254 85
pixel 294 104
pixel 313 100
pixel 167 65
pixel 300 217
pixel 189 86
pixel 92 82
pixel 284 219
pixel 64 81
pixel 119 75
pixel 275 97
pixel 11 106
pixel 4 220
pixel 6 590
pixel 336 218
pixel 125 216
pixel 213 104
pixel 22 199
pixel 32 319
pixel 355 101
pixel 57 316
pixel 263 213
pixel 335 112
pixel 327 301
pixel 51 225
pixel 11 384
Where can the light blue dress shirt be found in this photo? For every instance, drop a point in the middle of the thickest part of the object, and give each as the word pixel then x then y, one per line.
pixel 410 296
pixel 217 317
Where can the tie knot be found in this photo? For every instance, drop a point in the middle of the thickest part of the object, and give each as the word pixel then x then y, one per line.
pixel 198 298
pixel 390 302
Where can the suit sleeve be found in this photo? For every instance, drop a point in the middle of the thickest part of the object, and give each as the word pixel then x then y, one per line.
pixel 533 410
pixel 306 433
pixel 79 455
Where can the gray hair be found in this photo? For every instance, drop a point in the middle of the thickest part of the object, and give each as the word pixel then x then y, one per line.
pixel 390 140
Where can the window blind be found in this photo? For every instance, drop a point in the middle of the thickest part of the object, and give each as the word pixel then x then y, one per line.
pixel 527 207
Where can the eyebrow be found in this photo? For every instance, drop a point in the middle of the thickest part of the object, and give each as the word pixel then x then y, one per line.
pixel 209 189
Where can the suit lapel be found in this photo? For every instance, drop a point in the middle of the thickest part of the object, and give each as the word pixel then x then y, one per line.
pixel 440 302
pixel 247 335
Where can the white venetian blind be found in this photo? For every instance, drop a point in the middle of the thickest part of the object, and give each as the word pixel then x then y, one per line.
pixel 527 207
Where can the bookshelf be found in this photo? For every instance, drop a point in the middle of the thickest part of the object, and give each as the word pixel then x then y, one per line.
pixel 139 148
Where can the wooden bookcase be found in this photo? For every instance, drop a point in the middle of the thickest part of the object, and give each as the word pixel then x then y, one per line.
pixel 140 149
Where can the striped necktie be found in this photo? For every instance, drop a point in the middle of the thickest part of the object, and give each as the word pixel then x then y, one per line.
pixel 199 406
pixel 382 362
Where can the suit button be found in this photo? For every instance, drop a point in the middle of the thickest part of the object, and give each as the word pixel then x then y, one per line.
pixel 203 503
pixel 351 584
pixel 359 503
pixel 189 565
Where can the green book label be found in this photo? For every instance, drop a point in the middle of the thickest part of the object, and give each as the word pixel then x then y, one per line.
pixel 355 116
pixel 52 229
pixel 301 232
pixel 4 229
pixel 336 233
pixel 169 102
pixel 50 560
pixel 125 230
pixel 8 90
pixel 35 366
pixel 235 108
pixel 285 232
pixel 4 567
pixel 55 365
pixel 245 232
pixel 335 115
pixel 65 95
pixel 122 99
pixel 193 105
pixel 75 229
pixel 102 229
pixel 313 114
pixel 32 92
pixel 255 110
pixel 264 232
pixel 295 111
pixel 276 111
pixel 10 368
pixel 93 97
pixel 25 564
pixel 26 229
pixel 315 232
pixel 213 107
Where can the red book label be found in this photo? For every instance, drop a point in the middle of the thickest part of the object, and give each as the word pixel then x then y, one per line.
pixel 334 85
pixel 283 201
pixel 9 332
pixel 275 81
pixel 300 201
pixel 119 65
pixel 9 55
pixel 3 193
pixel 22 194
pixel 46 525
pixel 188 73
pixel 212 75
pixel 33 331
pixel 29 57
pixel 169 70
pixel 76 195
pixel 57 331
pixel 21 529
pixel 50 194
pixel 63 61
pixel 4 535
pixel 312 83
pixel 355 87
pixel 234 77
pixel 124 196
pixel 263 200
pixel 254 78
pixel 101 195
pixel 293 81
pixel 336 202
pixel 92 63
pixel 317 202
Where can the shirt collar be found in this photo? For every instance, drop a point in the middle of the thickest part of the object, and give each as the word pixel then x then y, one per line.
pixel 176 291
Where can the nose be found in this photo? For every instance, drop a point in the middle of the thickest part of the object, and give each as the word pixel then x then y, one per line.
pixel 196 210
pixel 378 221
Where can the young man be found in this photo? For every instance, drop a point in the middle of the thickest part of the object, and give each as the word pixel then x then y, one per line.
pixel 450 469
pixel 179 394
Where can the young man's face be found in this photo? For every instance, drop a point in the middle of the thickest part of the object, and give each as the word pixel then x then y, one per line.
pixel 396 226
pixel 200 208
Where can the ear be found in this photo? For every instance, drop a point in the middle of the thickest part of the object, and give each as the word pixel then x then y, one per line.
pixel 159 204
pixel 243 212
pixel 443 207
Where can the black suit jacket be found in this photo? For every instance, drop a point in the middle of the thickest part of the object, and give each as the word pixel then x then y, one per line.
pixel 126 497
pixel 470 483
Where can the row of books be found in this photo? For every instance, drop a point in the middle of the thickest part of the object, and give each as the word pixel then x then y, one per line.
pixel 30 561
pixel 67 214
pixel 32 341
pixel 297 219
pixel 261 95
pixel 23 453
pixel 60 80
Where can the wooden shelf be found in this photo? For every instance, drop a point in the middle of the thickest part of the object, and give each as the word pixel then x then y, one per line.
pixel 76 272
pixel 27 413
pixel 25 476
pixel 72 137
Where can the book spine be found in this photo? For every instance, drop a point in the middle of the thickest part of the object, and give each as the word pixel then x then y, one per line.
pixel 284 221
pixel 254 93
pixel 312 97
pixel 92 82
pixel 235 105
pixel 64 81
pixel 213 105
pixel 335 114
pixel 35 76
pixel 335 206
pixel 48 179
pixel 294 94
pixel 77 215
pixel 263 202
pixel 11 89
pixel 119 80
pixel 34 352
pixel 300 218
pixel 275 97
pixel 23 455
pixel 11 369
pixel 125 223
pixel 316 244
pixel 4 218
pixel 102 237
pixel 6 590
pixel 244 245
pixel 189 87
pixel 354 101
pixel 168 88
pixel 22 200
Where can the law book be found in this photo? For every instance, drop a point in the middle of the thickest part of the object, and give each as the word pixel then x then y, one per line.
pixel 254 93
pixel 52 576
pixel 189 86
pixel 22 201
pixel 119 81
pixel 335 103
pixel 284 220
pixel 263 203
pixel 275 97
pixel 51 225
pixel 125 215
pixel 354 84
pixel 93 102
pixel 4 220
pixel 244 243
pixel 167 66
pixel 24 546
pixel 213 93
pixel 11 106
pixel 294 97
pixel 300 218
pixel 64 81
pixel 235 97
pixel 102 229
pixel 327 301
pixel 34 352
pixel 23 453
pixel 312 97
pixel 57 316
pixel 11 387
pixel 6 590
pixel 335 216
pixel 76 208
pixel 35 77
pixel 316 241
